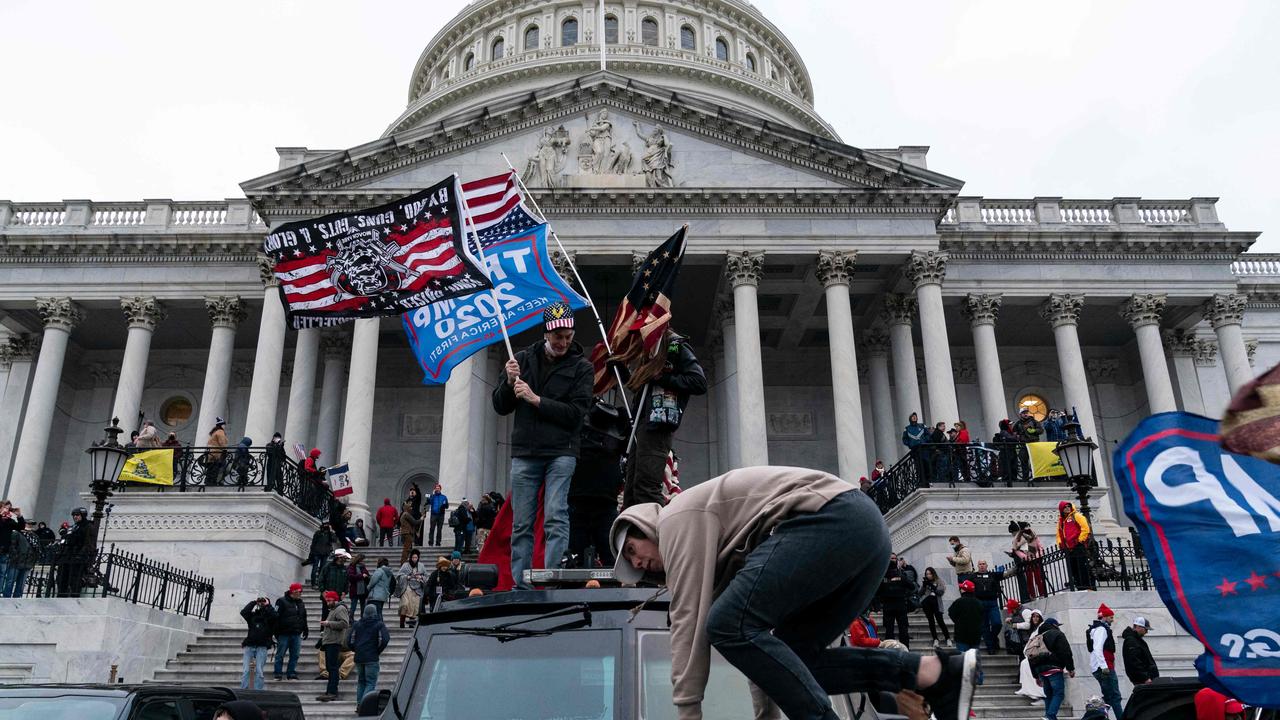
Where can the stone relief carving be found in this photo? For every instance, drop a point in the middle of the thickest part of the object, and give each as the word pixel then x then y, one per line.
pixel 547 163
pixel 656 160
pixel 421 427
pixel 790 424
pixel 601 153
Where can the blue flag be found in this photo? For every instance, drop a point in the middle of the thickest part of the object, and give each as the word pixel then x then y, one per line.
pixel 446 333
pixel 1210 525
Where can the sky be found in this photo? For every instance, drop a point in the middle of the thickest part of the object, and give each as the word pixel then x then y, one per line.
pixel 138 99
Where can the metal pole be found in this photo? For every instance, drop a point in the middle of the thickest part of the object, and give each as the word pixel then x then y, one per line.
pixel 497 304
pixel 604 334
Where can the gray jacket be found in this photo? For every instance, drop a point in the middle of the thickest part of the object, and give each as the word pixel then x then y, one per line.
pixel 335 626
pixel 380 584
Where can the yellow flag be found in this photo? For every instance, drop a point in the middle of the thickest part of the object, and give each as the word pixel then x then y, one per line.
pixel 1044 463
pixel 154 467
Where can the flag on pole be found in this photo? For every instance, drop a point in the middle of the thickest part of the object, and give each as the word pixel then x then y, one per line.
pixel 497 207
pixel 153 467
pixel 380 261
pixel 645 314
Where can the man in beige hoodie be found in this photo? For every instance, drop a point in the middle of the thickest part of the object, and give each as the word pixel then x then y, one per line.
pixel 769 565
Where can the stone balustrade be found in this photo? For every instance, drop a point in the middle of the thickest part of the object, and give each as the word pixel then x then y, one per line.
pixel 71 215
pixel 1061 215
pixel 1259 265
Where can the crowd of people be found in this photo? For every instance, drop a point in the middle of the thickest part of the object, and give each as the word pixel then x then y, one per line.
pixel 25 543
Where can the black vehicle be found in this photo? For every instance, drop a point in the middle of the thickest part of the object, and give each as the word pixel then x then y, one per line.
pixel 135 702
pixel 557 654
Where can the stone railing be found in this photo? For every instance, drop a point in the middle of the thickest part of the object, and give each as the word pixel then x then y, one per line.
pixel 1060 214
pixel 144 215
pixel 1260 265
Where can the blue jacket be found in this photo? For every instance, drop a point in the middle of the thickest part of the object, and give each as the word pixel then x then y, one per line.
pixel 915 434
pixel 369 636
pixel 439 502
pixel 380 584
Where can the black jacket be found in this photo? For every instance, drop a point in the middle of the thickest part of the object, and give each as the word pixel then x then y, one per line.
pixel 291 617
pixel 897 585
pixel 967 613
pixel 986 585
pixel 1139 665
pixel 553 428
pixel 1059 648
pixel 486 513
pixel 261 619
pixel 369 637
pixel 9 526
pixel 77 539
pixel 446 583
pixel 322 543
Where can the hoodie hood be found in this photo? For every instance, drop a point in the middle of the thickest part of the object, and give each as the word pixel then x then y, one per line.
pixel 1065 504
pixel 315 453
pixel 370 612
pixel 245 442
pixel 644 517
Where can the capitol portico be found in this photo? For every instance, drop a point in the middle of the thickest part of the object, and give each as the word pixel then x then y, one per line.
pixel 829 290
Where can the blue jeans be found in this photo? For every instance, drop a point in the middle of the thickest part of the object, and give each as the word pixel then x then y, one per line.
pixel 259 657
pixel 991 624
pixel 1055 690
pixel 1110 687
pixel 366 680
pixel 4 576
pixel 527 476
pixel 378 604
pixel 291 644
pixel 17 581
pixel 797 592
pixel 963 647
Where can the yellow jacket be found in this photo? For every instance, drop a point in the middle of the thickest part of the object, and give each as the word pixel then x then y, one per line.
pixel 1079 519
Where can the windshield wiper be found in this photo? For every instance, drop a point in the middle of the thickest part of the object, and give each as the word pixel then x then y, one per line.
pixel 512 630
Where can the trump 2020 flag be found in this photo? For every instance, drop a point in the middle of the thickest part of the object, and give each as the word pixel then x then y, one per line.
pixel 1210 526
pixel 384 260
pixel 524 282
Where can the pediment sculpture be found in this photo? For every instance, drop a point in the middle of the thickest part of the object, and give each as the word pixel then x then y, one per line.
pixel 602 155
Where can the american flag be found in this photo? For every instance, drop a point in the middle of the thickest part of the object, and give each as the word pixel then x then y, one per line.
pixel 497 208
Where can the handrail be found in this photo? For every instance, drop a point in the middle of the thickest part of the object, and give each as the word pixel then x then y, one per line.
pixel 946 464
pixel 1106 564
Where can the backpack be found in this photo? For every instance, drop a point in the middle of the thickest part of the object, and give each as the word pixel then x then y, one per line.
pixel 1037 651
pixel 24 551
pixel 454 520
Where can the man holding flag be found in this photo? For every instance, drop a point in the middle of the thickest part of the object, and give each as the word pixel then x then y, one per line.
pixel 548 387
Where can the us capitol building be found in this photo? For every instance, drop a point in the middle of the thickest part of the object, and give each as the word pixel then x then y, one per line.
pixel 829 290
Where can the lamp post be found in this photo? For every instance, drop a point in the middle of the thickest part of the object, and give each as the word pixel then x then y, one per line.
pixel 1076 455
pixel 107 459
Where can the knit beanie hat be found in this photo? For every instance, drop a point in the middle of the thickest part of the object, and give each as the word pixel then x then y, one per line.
pixel 557 315
pixel 1104 611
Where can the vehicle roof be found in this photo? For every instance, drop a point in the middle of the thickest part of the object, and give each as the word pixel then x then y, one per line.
pixel 108 690
pixel 521 602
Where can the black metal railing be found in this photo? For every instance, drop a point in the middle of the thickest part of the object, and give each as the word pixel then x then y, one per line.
pixel 116 573
pixel 1107 564
pixel 197 468
pixel 949 465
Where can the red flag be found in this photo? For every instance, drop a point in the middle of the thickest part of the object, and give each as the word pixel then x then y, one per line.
pixel 497 548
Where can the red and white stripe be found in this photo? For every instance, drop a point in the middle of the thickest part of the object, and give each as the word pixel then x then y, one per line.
pixel 491 198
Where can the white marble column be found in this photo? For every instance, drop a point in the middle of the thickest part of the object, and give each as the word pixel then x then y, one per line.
pixel 60 315
pixel 143 314
pixel 744 270
pixel 833 271
pixel 898 313
pixel 225 313
pixel 927 270
pixel 461 460
pixel 882 418
pixel 335 347
pixel 18 352
pixel 982 311
pixel 302 388
pixel 728 379
pixel 1182 346
pixel 264 393
pixel 1206 356
pixel 357 436
pixel 1142 311
pixel 1225 312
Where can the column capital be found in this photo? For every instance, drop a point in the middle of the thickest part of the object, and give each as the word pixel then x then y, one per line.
pixel 899 309
pixel 60 313
pixel 876 341
pixel 1206 353
pixel 835 267
pixel 1062 309
pixel 1102 369
pixel 1180 343
pixel 266 271
pixel 143 312
pixel 225 311
pixel 22 348
pixel 927 268
pixel 564 264
pixel 1142 309
pixel 744 267
pixel 335 346
pixel 981 309
pixel 1225 309
pixel 1251 348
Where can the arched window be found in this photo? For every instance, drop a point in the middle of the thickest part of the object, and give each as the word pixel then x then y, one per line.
pixel 649 32
pixel 569 32
pixel 611 29
pixel 722 50
pixel 531 38
pixel 773 75
pixel 498 47
pixel 751 62
pixel 470 63
pixel 688 38
pixel 1036 404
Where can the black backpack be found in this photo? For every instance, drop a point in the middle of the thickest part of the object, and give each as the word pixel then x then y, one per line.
pixel 454 520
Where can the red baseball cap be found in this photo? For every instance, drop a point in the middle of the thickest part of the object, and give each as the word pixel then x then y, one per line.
pixel 1012 605
pixel 966 586
pixel 1233 706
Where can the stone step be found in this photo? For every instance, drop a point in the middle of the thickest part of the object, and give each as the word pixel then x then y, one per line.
pixel 305 687
pixel 230 655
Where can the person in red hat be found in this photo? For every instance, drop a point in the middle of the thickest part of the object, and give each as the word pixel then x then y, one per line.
pixel 1102 657
pixel 333 628
pixel 291 629
pixel 967 614
pixel 1016 627
pixel 1213 705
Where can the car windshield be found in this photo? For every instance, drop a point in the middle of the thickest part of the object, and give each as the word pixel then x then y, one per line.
pixel 727 696
pixel 570 675
pixel 67 707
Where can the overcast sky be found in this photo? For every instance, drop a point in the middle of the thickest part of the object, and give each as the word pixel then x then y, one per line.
pixel 130 100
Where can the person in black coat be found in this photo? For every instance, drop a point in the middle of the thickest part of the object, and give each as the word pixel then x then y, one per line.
pixel 291 629
pixel 1139 664
pixel 260 617
pixel 277 458
pixel 896 588
pixel 73 554
pixel 369 637
pixel 966 618
pixel 323 542
pixel 1054 667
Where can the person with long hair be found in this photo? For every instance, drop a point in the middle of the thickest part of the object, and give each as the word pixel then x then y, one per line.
pixel 412 581
pixel 931 591
pixel 1027 551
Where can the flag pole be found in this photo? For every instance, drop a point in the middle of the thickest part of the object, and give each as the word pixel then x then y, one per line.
pixel 603 38
pixel 497 304
pixel 604 334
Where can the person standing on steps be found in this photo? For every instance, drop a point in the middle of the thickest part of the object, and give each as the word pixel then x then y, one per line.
pixel 986 587
pixel 966 615
pixel 408 526
pixel 931 592
pixel 386 518
pixel 1139 665
pixel 332 630
pixel 291 629
pixel 1073 535
pixel 411 583
pixel 380 581
pixel 961 560
pixel 369 637
pixel 438 502
pixel 1053 666
pixel 1101 645
pixel 260 617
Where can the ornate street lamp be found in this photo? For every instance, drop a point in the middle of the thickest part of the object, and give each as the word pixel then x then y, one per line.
pixel 1076 455
pixel 107 460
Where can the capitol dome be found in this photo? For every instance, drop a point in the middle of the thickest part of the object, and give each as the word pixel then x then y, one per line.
pixel 722 51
